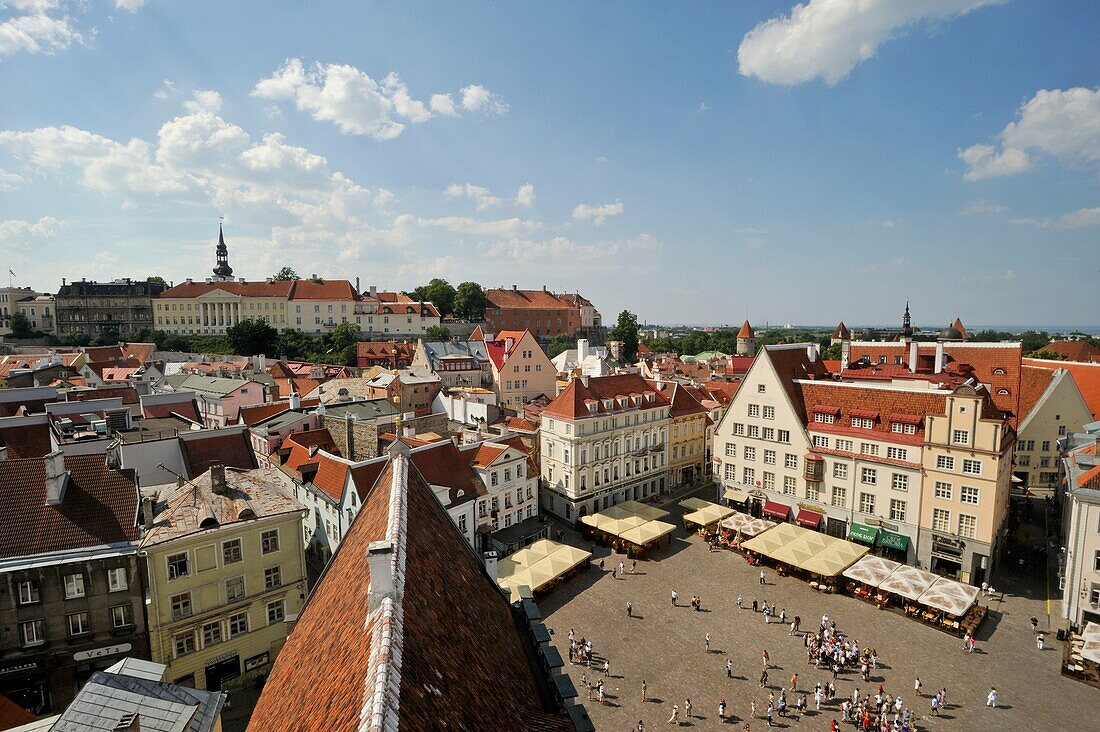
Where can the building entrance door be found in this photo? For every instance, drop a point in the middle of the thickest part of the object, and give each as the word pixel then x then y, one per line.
pixel 222 671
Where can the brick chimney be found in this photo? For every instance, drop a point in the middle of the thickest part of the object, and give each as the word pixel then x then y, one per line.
pixel 938 369
pixel 491 564
pixel 217 480
pixel 380 563
pixel 57 478
pixel 913 353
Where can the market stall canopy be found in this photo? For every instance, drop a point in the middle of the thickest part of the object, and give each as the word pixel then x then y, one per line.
pixel 694 504
pixel 871 570
pixel 954 598
pixel 775 509
pixel 709 514
pixel 649 513
pixel 837 556
pixel 537 565
pixel 806 549
pixel 909 582
pixel 1091 648
pixel 648 532
pixel 861 533
pixel 772 540
pixel 735 521
pixel 732 494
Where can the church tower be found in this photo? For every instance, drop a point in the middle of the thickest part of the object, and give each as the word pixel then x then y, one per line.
pixel 223 271
pixel 906 323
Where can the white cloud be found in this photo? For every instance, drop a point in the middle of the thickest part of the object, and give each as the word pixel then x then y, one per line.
pixel 981 207
pixel 525 196
pixel 10 181
pixel 482 197
pixel 359 105
pixel 563 250
pixel 889 266
pixel 17 230
pixel 750 230
pixel 204 99
pixel 597 214
pixel 37 26
pixel 168 89
pixel 473 227
pixel 703 106
pixel 476 98
pixel 1061 123
pixel 827 38
pixel 130 5
pixel 1082 218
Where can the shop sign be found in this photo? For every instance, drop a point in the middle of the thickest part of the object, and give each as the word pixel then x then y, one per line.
pixel 101 652
pixel 948 542
pixel 812 507
pixel 262 659
pixel 18 668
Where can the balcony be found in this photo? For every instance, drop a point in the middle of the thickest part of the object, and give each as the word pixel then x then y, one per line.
pixel 814 469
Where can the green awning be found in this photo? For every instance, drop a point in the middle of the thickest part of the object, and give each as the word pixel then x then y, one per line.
pixel 865 534
pixel 890 540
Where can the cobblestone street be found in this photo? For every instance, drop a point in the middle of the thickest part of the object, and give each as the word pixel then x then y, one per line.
pixel 665 646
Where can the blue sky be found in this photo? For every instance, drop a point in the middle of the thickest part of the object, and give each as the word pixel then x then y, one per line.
pixel 694 163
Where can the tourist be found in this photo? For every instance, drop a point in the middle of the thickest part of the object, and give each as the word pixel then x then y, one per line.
pixel 622 569
pixel 641 726
pixel 817 697
pixel 740 599
pixel 1034 624
pixel 606 666
pixel 767 614
pixel 674 598
pixel 766 658
pixel 643 690
pixel 722 709
pixel 599 690
pixel 991 699
pixel 936 705
pixel 769 714
pixel 601 565
pixel 783 616
pixel 752 709
pixel 762 581
pixel 755 605
pixel 687 708
pixel 1039 641
pixel 764 678
pixel 633 566
pixel 794 682
pixel 917 687
pixel 729 668
pixel 970 644
pixel 629 609
pixel 675 715
pixel 706 643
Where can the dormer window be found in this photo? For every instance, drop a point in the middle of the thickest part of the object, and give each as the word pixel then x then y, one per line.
pixel 998 372
pixel 1002 391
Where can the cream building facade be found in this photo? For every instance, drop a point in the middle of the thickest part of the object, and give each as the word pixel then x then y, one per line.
pixel 521 369
pixel 1079 561
pixel 1052 408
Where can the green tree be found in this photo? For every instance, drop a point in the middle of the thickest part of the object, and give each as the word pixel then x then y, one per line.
pixel 440 293
pixel 339 345
pixel 470 301
pixel 251 337
pixel 832 353
pixel 626 330
pixel 20 326
pixel 76 339
pixel 1033 340
pixel 437 334
pixel 559 344
pixel 293 344
pixel 1047 353
pixel 991 336
pixel 157 279
pixel 107 336
pixel 286 273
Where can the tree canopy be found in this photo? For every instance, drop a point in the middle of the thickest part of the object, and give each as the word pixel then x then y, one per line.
pixel 438 292
pixel 470 301
pixel 286 273
pixel 626 331
pixel 251 337
pixel 437 334
pixel 20 326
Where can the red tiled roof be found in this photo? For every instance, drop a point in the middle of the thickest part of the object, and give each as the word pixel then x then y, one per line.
pixel 1085 375
pixel 1033 382
pixel 497 348
pixel 723 391
pixel 571 403
pixel 280 289
pixel 128 394
pixel 842 333
pixel 520 424
pixel 958 325
pixel 475 678
pixel 504 299
pixel 99 507
pixel 847 400
pixel 746 331
pixel 794 363
pixel 683 404
pixel 188 410
pixel 13 715
pixel 28 406
pixel 140 351
pixel 98 354
pixel 478 334
pixel 374 350
pixel 1075 351
pixel 323 290
pixel 316 447
pixel 228 447
pixel 443 464
pixel 486 454
pixel 26 441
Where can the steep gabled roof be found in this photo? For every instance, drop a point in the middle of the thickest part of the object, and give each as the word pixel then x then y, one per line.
pixel 791 363
pixel 1085 375
pixel 1033 384
pixel 573 402
pixel 842 333
pixel 229 447
pixel 746 331
pixel 846 400
pixel 498 348
pixel 356 663
pixel 1075 351
pixel 26 440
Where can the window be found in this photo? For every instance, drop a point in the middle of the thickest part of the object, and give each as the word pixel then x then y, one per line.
pixel 863 423
pixel 769 433
pixel 731 471
pixel 754 431
pixel 178 566
pixel 1046 445
pixel 790 461
pixel 968 494
pixel 74 586
pixel 750 453
pixel 760 388
pixel 821 441
pixel 840 496
pixel 968 525
pixel 33 632
pixel 1096 561
pixel 903 428
pixel 840 470
pixel 897 453
pixel 845 445
pixel 868 448
pixel 749 476
pixel 212 633
pixel 181 605
pixel 731 449
pixel 899 482
pixel 788 485
pixel 1094 595
pixel 972 467
pixel 941 519
pixel 78 623
pixel 276 611
pixel 867 502
pixel 117 581
pixel 272 578
pixel 960 437
pixel 122 616
pixel 943 490
pixel 769 412
pixel 269 541
pixel 28 592
pixel 784 435
pixel 738 428
pixel 234 589
pixel 897 510
pixel 754 410
pixel 769 457
pixel 813 491
pixel 824 418
pixel 945 462
pixel 769 481
pixel 238 624
pixel 183 643
pixel 869 476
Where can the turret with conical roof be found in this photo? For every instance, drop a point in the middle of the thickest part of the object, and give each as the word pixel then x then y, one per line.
pixel 746 340
pixel 222 271
pixel 906 323
pixel 841 334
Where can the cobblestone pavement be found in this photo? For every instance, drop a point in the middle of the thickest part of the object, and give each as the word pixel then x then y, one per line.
pixel 665 646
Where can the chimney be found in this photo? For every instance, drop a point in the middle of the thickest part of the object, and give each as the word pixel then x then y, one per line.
pixel 845 354
pixel 374 291
pixel 147 508
pixel 408 430
pixel 295 401
pixel 259 364
pixel 913 357
pixel 582 350
pixel 380 562
pixel 349 436
pixel 357 287
pixel 515 288
pixel 491 564
pixel 584 380
pixel 938 368
pixel 217 479
pixel 811 352
pixel 63 282
pixel 56 478
pixel 313 277
pixel 544 288
pixel 508 343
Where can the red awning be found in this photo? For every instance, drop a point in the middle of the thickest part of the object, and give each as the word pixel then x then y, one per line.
pixel 777 510
pixel 809 519
pixel 813 456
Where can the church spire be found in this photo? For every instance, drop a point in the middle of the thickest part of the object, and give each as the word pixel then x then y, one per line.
pixel 222 271
pixel 906 322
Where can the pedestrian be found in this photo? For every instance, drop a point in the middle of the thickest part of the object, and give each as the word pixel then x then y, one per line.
pixel 936 705
pixel 768 714
pixel 1039 641
pixel 797 623
pixel 740 599
pixel 834 727
pixel 622 568
pixel 633 566
pixel 675 715
pixel 601 565
pixel 706 643
pixel 641 726
pixel 613 575
pixel 755 605
pixel 792 628
pixel 762 578
pixel 970 644
pixel 764 678
pixel 643 690
pixel 699 603
pixel 674 598
pixel 917 687
pixel 801 705
pixel 722 709
pixel 767 614
pixel 687 708
pixel 606 666
pixel 817 698
pixel 1034 624
pixel 599 691
pixel 991 700
pixel 729 668
pixel 783 616
pixel 794 682
pixel 572 636
pixel 766 658
pixel 629 609
pixel 752 709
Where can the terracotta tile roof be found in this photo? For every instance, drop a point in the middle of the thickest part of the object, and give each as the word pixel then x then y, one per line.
pixel 520 424
pixel 683 403
pixel 118 373
pixel 958 325
pixel 345 662
pixel 374 350
pixel 423 309
pixel 99 354
pixel 1085 375
pixel 486 454
pixel 26 440
pixel 1033 383
pixel 842 333
pixel 722 391
pixel 229 447
pixel 746 331
pixel 297 385
pixel 280 289
pixel 846 400
pixel 253 415
pixel 1075 351
pixel 188 410
pixel 498 347
pixel 443 464
pixel 99 507
pixel 323 290
pixel 505 299
pixel 643 349
pixel 316 447
pixel 13 715
pixel 477 335
pixel 519 443
pixel 1088 477
pixel 793 362
pixel 128 394
pixel 26 406
pixel 365 475
pixel 573 402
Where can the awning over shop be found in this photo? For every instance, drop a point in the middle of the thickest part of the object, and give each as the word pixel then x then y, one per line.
pixel 732 494
pixel 890 540
pixel 861 533
pixel 777 510
pixel 809 519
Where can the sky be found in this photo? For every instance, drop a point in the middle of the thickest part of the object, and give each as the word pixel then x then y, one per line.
pixel 695 163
